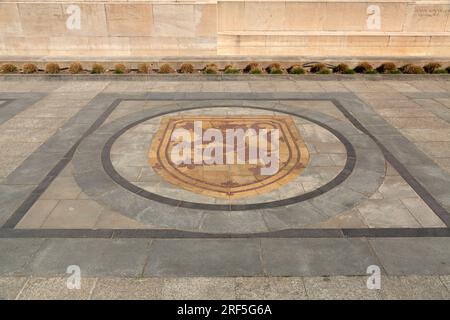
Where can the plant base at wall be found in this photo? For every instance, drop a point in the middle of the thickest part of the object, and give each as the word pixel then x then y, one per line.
pixel 253 68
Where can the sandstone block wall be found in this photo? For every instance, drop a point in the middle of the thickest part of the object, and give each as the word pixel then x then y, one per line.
pixel 139 28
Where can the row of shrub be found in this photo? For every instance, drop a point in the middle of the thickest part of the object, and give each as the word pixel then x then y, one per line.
pixel 251 68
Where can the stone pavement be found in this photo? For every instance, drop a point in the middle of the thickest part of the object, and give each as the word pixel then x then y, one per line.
pixel 364 180
pixel 203 288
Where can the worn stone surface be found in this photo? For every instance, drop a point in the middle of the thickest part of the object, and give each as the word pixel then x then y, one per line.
pixel 342 288
pixel 93 256
pixel 321 238
pixel 270 288
pixel 315 257
pixel 122 288
pixel 55 289
pixel 423 256
pixel 414 287
pixel 199 288
pixel 204 257
pixel 10 287
pixel 206 288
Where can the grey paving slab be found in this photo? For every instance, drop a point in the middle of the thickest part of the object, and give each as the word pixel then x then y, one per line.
pixel 95 257
pixel 17 103
pixel 94 183
pixel 337 201
pixel 77 214
pixel 421 256
pixel 37 214
pixel 292 216
pixel 436 181
pixel 405 151
pixel 316 257
pixel 34 169
pixel 11 197
pixel 387 213
pixel 16 254
pixel 166 216
pixel 233 222
pixel 204 257
pixel 64 139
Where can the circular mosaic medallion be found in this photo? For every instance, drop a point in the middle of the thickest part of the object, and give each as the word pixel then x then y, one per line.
pixel 238 166
pixel 228 168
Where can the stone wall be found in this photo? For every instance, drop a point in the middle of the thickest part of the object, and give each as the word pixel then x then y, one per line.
pixel 138 28
pixel 108 28
pixel 334 28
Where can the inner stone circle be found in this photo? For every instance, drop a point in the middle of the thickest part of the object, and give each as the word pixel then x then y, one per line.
pixel 310 156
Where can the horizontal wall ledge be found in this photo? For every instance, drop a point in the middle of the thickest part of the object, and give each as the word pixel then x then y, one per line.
pixel 331 33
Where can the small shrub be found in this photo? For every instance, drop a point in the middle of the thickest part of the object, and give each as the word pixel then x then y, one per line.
pixel 8 68
pixel 29 68
pixel 97 68
pixel 166 68
pixel 387 67
pixel 431 67
pixel 255 70
pixel 412 69
pixel 276 71
pixel 120 69
pixel 363 67
pixel 341 68
pixel 396 71
pixel 75 67
pixel 273 66
pixel 143 68
pixel 373 71
pixel 448 69
pixel 52 68
pixel 349 71
pixel 186 68
pixel 296 69
pixel 229 69
pixel 440 71
pixel 248 68
pixel 324 71
pixel 210 70
pixel 316 68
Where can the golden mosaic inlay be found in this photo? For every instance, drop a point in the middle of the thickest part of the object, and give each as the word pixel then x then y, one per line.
pixel 228 176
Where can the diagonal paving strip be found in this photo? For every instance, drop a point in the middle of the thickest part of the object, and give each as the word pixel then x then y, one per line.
pixel 428 179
